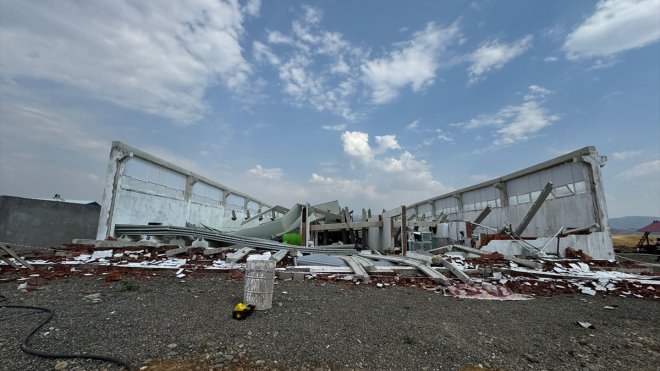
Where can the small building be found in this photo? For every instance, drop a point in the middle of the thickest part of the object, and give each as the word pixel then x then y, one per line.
pixel 46 222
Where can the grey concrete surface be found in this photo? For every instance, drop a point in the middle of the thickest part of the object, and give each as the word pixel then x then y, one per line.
pixel 45 223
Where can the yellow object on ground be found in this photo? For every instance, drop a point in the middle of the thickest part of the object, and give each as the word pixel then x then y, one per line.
pixel 241 311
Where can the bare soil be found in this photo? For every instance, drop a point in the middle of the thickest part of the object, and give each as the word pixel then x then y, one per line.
pixel 166 323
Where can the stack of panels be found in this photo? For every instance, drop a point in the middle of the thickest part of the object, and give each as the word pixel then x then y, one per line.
pixel 228 238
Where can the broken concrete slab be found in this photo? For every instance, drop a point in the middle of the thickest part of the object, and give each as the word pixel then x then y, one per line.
pixel 279 255
pixel 454 270
pixel 238 255
pixel 520 261
pixel 173 252
pixel 357 268
pixel 432 273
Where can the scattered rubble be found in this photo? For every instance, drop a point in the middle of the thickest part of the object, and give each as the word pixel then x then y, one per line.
pixel 459 271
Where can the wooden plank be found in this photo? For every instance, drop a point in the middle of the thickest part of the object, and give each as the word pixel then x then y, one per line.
pixel 455 271
pixel 11 252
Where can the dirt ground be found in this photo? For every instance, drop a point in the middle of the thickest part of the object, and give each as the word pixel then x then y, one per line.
pixel 165 323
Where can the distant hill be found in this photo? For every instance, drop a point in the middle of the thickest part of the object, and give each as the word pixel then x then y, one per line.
pixel 630 224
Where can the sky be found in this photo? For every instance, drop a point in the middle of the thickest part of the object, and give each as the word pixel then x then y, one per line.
pixel 372 103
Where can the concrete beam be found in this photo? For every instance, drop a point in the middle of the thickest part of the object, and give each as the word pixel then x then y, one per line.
pixel 534 209
pixel 347 225
pixel 357 268
pixel 279 255
pixel 417 223
pixel 455 271
pixel 180 250
pixel 482 215
pixel 430 272
pixel 367 264
pixel 238 255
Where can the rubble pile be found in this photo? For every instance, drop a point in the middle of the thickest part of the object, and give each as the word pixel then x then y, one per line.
pixel 456 272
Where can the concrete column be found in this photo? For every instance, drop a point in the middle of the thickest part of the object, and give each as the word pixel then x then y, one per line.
pixel 459 198
pixel 116 164
pixel 594 183
pixel 504 195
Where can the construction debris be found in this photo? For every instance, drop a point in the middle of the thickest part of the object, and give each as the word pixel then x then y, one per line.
pixel 478 275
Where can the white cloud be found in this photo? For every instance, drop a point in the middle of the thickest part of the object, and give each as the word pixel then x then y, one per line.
pixel 356 144
pixel 402 173
pixel 614 27
pixel 357 192
pixel 493 55
pixel 157 58
pixel 413 63
pixel 263 53
pixel 443 136
pixel 321 69
pixel 340 67
pixel 413 125
pixel 550 59
pixel 643 170
pixel 276 37
pixel 386 143
pixel 603 63
pixel 537 92
pixel 252 7
pixel 624 155
pixel 318 179
pixel 303 77
pixel 338 127
pixel 261 172
pixel 516 123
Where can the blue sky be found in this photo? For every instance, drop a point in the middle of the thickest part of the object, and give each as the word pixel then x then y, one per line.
pixel 374 103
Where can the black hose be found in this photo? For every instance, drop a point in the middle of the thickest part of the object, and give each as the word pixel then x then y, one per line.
pixel 39 353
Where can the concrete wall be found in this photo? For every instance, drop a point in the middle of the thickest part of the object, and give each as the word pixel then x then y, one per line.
pixel 577 200
pixel 45 223
pixel 141 189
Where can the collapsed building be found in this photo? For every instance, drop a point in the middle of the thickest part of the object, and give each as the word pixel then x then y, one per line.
pixel 523 212
pixel 547 222
pixel 520 213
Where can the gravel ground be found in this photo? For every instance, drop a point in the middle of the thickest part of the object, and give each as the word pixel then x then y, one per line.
pixel 169 324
